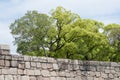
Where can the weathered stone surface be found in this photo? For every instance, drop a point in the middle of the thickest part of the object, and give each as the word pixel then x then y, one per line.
pixel 2 77
pixel 14 64
pixel 2 63
pixel 45 73
pixel 20 71
pixel 21 65
pixel 13 71
pixel 5 71
pixel 27 64
pixel 44 65
pixel 25 78
pixel 30 72
pixel 8 77
pixel 7 63
pixel 33 64
pixel 37 72
pixel 53 73
pixel 14 67
pixel 55 66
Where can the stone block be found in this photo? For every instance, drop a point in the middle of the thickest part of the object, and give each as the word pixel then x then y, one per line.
pixel 8 57
pixel 33 64
pixel 37 72
pixel 5 71
pixel 45 73
pixel 4 49
pixel 2 63
pixel 107 71
pixel 27 58
pixel 25 78
pixel 44 65
pixel 113 64
pixel 49 66
pixel 2 77
pixel 14 64
pixel 2 57
pixel 53 73
pixel 8 77
pixel 38 65
pixel 55 66
pixel 111 76
pixel 27 64
pixel 20 71
pixel 7 63
pixel 13 71
pixel 103 75
pixel 39 78
pixel 33 78
pixel 52 78
pixel 30 72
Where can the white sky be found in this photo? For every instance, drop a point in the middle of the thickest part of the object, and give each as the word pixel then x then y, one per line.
pixel 107 11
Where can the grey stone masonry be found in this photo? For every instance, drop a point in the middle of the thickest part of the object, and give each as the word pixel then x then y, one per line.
pixel 14 67
pixel 4 49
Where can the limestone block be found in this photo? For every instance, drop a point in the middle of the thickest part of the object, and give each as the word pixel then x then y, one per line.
pixel 15 77
pixel 79 78
pixel 4 49
pixel 67 74
pixel 44 65
pixel 37 72
pixel 7 63
pixel 33 64
pixel 62 74
pixel 103 75
pixel 25 78
pixel 116 78
pixel 2 63
pixel 97 74
pixel 14 64
pixel 5 71
pixel 20 71
pixel 33 78
pixel 53 78
pixel 2 77
pixel 38 65
pixel 19 77
pixel 111 76
pixel 27 64
pixel 21 65
pixel 8 57
pixel 30 72
pixel 45 73
pixel 55 66
pixel 15 57
pixel 49 66
pixel 53 73
pixel 2 57
pixel 33 58
pixel 8 77
pixel 13 71
pixel 113 64
pixel 27 58
pixel 39 78
pixel 46 78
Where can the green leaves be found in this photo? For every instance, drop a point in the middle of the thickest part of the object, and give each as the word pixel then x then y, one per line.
pixel 64 34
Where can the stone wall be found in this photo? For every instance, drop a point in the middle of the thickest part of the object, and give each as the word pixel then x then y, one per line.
pixel 14 67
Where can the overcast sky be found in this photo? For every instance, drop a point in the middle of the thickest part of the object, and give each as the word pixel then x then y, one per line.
pixel 106 11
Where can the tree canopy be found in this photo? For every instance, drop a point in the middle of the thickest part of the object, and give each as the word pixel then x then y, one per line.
pixel 63 34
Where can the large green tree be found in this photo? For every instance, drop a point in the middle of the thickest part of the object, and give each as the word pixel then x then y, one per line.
pixel 30 33
pixel 63 34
